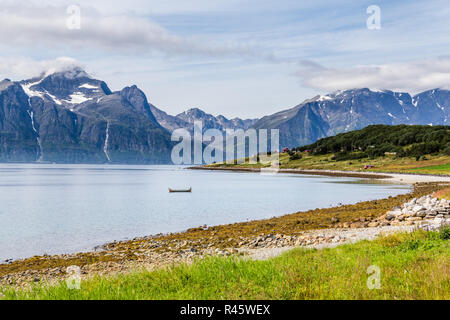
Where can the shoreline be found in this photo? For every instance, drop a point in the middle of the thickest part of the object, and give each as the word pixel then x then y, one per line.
pixel 394 177
pixel 163 250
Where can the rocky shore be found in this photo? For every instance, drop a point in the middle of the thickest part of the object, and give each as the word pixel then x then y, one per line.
pixel 158 251
pixel 425 211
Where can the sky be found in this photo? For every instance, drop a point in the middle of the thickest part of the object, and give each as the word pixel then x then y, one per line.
pixel 246 58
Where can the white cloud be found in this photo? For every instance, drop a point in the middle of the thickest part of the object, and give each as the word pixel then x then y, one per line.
pixel 26 24
pixel 19 68
pixel 414 76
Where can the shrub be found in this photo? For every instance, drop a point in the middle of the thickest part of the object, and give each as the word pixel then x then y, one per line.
pixel 341 156
pixel 447 151
pixel 444 233
pixel 295 156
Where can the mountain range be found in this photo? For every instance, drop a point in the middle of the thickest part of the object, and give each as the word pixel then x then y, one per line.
pixel 343 111
pixel 69 117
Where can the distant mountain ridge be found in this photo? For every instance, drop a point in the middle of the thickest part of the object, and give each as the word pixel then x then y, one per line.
pixel 348 110
pixel 187 118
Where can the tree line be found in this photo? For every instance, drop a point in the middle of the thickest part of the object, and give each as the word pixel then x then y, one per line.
pixel 379 140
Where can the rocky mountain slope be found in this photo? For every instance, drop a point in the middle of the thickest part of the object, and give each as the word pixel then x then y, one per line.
pixel 19 140
pixel 70 117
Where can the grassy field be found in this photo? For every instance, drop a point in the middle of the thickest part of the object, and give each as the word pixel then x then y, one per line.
pixel 437 169
pixel 433 165
pixel 412 266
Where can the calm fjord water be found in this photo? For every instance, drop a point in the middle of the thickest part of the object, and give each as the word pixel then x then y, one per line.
pixel 68 208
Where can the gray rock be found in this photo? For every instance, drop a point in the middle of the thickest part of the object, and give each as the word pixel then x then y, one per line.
pixel 418 208
pixel 421 214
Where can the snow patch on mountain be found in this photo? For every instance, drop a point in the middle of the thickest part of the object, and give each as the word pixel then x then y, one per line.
pixel 31 93
pixel 323 98
pixel 88 86
pixel 77 98
pixel 58 102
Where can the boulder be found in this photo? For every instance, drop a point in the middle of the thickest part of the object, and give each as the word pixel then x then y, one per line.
pixel 421 214
pixel 356 225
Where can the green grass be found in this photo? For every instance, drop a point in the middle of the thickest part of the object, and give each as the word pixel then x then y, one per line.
pixel 413 266
pixel 438 169
pixel 434 164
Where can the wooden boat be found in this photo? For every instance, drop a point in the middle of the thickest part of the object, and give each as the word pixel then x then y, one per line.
pixel 181 190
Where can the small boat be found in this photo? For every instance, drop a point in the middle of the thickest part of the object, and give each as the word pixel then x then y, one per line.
pixel 181 190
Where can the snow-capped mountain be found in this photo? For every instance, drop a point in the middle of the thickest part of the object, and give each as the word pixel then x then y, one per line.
pixel 71 117
pixel 349 110
pixel 68 88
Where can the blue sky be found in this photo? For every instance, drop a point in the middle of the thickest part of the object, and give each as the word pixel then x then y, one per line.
pixel 236 58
